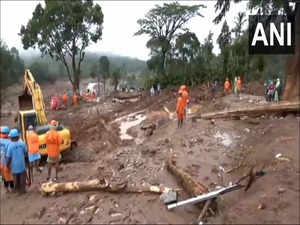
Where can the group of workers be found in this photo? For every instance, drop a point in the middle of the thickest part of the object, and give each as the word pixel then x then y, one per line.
pixel 86 96
pixel 273 90
pixel 16 156
pixel 152 89
pixel 237 85
pixel 182 101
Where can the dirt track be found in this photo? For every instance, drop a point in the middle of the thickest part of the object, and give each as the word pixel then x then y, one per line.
pixel 201 147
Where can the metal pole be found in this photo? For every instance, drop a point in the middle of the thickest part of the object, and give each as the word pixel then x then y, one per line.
pixel 195 200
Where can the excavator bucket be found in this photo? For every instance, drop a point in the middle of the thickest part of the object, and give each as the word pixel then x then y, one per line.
pixel 25 101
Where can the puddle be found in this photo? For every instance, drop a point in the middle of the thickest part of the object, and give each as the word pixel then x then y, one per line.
pixel 225 138
pixel 131 121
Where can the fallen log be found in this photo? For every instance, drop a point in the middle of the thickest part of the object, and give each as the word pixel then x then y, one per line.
pixel 254 111
pixel 193 187
pixel 128 96
pixel 98 185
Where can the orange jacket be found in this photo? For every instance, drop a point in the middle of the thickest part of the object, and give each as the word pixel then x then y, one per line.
pixel 180 107
pixel 185 97
pixel 227 85
pixel 75 99
pixel 53 141
pixel 92 96
pixel 84 96
pixel 65 98
pixel 239 83
pixel 32 142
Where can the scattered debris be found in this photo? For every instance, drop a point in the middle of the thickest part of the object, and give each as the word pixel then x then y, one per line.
pixel 255 111
pixel 280 157
pixel 169 197
pixel 281 190
pixel 261 206
pixel 224 137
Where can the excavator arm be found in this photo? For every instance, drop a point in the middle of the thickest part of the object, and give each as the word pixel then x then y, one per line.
pixel 32 98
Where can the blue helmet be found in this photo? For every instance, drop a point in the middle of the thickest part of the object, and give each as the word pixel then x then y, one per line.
pixel 5 130
pixel 14 133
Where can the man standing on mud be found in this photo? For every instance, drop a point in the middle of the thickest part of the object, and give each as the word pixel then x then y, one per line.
pixel 33 149
pixel 185 97
pixel 6 173
pixel 53 142
pixel 180 109
pixel 15 158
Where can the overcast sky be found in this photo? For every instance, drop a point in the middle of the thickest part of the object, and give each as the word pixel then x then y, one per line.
pixel 120 23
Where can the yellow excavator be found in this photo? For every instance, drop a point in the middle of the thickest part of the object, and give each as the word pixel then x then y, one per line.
pixel 32 112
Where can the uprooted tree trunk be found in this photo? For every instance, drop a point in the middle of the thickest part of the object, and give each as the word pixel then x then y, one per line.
pixel 291 90
pixel 254 111
pixel 98 185
pixel 193 187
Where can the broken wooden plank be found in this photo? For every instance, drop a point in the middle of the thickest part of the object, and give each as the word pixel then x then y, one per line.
pixel 254 111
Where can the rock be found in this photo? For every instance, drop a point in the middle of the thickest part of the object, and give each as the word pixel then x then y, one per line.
pixel 247 130
pixel 149 132
pixel 261 206
pixel 41 212
pixel 213 122
pixel 93 198
pixel 169 197
pixel 281 190
pixel 62 220
pixel 167 140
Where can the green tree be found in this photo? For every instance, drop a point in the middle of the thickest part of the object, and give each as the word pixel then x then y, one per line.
pixel 63 30
pixel 224 41
pixel 239 22
pixel 162 23
pixel 11 65
pixel 224 38
pixel 115 78
pixel 104 69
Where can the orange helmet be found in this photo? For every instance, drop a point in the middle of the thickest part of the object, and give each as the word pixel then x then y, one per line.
pixel 53 123
pixel 182 87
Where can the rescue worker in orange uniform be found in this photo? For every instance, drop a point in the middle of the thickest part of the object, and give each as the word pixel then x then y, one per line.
pixel 227 85
pixel 180 109
pixel 84 96
pixel 65 98
pixel 92 96
pixel 6 173
pixel 75 99
pixel 33 150
pixel 53 142
pixel 185 96
pixel 239 84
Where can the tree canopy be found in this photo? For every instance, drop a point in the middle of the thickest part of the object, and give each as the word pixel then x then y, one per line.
pixel 63 30
pixel 162 24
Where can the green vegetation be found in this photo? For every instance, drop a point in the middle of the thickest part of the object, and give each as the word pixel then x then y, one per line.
pixel 177 56
pixel 11 65
pixel 63 30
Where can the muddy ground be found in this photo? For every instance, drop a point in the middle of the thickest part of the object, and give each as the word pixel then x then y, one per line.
pixel 208 151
